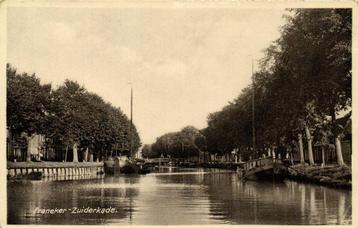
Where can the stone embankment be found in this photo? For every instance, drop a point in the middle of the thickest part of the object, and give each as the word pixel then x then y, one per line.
pixel 330 175
pixel 38 170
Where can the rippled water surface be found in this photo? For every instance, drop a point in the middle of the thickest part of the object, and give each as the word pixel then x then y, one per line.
pixel 177 196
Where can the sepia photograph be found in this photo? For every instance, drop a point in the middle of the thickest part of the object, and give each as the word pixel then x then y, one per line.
pixel 177 114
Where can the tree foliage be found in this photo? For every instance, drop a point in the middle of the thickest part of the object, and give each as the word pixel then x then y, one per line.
pixel 147 152
pixel 303 82
pixel 27 102
pixel 67 115
pixel 186 143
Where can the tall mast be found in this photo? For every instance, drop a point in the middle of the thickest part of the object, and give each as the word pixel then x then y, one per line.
pixel 253 107
pixel 130 127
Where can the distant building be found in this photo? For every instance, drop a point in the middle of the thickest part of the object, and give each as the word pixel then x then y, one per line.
pixel 17 147
pixel 36 146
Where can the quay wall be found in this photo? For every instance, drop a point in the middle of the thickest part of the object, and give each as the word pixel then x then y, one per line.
pixel 38 170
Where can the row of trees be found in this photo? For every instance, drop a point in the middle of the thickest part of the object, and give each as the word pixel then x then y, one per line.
pixel 303 82
pixel 69 117
pixel 183 144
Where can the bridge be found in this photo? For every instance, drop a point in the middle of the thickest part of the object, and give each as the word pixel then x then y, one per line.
pixel 156 162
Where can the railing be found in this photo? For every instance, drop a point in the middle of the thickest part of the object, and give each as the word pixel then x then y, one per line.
pixel 53 170
pixel 257 163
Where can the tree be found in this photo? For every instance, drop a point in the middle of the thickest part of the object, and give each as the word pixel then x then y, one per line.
pixel 27 104
pixel 147 152
pixel 186 143
pixel 193 140
pixel 83 119
pixel 304 78
pixel 315 50
pixel 70 115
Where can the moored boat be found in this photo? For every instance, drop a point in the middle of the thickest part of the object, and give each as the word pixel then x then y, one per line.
pixel 123 165
pixel 262 168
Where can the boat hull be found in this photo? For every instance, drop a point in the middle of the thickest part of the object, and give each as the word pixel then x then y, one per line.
pixel 264 169
pixel 117 166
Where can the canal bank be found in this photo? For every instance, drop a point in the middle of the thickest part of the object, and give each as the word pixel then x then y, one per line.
pixel 331 175
pixel 37 170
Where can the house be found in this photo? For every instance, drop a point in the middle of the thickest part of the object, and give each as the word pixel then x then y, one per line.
pixel 18 147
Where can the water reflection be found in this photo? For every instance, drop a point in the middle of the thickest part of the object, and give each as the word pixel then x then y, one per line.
pixel 280 203
pixel 181 197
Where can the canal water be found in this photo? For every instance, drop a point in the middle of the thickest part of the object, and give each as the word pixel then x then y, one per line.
pixel 175 197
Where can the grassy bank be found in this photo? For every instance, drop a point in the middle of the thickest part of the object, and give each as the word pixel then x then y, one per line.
pixel 332 175
pixel 43 164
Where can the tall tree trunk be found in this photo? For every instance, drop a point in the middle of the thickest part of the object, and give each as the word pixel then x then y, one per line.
pixel 98 155
pixel 85 159
pixel 28 151
pixel 10 149
pixel 75 152
pixel 337 139
pixel 300 144
pixel 292 160
pixel 66 152
pixel 323 157
pixel 340 160
pixel 309 142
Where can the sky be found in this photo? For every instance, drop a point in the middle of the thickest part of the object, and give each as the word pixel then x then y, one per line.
pixel 182 63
